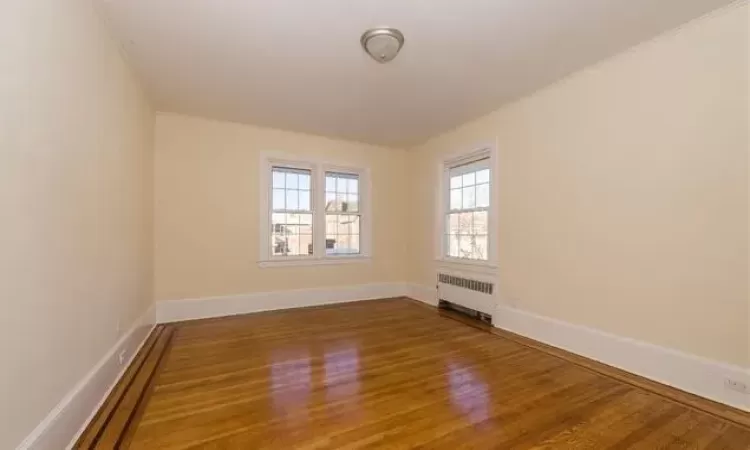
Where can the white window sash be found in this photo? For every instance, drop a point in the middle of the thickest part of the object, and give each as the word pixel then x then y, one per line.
pixel 346 174
pixel 460 168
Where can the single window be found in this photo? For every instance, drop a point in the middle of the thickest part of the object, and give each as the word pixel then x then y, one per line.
pixel 343 213
pixel 467 199
pixel 291 212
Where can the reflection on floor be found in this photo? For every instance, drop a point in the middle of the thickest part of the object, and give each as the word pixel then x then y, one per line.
pixel 378 374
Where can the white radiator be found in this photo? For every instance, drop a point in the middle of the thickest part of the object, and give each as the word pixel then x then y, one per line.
pixel 467 292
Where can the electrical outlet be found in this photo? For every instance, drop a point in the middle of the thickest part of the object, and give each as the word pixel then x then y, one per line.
pixel 121 357
pixel 736 385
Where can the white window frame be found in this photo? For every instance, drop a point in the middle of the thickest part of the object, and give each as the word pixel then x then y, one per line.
pixel 318 169
pixel 477 152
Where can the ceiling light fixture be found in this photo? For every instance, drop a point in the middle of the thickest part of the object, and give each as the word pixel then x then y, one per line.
pixel 383 44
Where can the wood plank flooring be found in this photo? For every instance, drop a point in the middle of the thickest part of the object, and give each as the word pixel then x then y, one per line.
pixel 380 374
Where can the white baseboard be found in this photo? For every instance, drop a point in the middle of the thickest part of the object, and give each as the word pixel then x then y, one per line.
pixel 687 372
pixel 206 307
pixel 65 423
pixel 424 294
pixel 690 373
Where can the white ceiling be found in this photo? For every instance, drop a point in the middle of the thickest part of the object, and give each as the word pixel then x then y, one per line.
pixel 298 64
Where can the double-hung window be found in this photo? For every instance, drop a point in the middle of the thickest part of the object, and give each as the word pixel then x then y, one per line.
pixel 343 218
pixel 291 212
pixel 467 211
pixel 313 213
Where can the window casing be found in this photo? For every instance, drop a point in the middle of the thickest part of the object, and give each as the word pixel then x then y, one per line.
pixel 312 213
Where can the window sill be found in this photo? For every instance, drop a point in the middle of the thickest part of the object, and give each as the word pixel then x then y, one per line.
pixel 478 266
pixel 331 260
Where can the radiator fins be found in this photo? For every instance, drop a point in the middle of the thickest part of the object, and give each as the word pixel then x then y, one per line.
pixel 466 283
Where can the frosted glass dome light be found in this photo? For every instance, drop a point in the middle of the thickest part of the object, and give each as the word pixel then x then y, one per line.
pixel 383 44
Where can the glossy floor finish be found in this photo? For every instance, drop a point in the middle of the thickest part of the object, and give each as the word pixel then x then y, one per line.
pixel 379 374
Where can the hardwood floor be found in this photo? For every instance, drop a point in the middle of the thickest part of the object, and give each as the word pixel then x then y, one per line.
pixel 380 374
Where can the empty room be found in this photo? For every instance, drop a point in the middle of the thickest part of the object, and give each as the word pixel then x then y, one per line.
pixel 397 224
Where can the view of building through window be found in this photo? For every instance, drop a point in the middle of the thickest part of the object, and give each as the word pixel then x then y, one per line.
pixel 342 213
pixel 293 215
pixel 291 212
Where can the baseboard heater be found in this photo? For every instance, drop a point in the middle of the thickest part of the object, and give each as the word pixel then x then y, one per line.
pixel 467 296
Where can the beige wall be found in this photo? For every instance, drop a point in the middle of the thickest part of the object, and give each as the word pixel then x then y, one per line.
pixel 623 200
pixel 624 193
pixel 206 209
pixel 75 189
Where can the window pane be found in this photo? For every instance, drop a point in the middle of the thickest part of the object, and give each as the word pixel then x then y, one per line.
pixel 465 223
pixel 332 222
pixel 453 240
pixel 480 249
pixel 339 244
pixel 354 225
pixel 469 197
pixel 464 247
pixel 278 223
pixel 455 199
pixel 278 179
pixel 352 202
pixel 330 184
pixel 469 179
pixel 343 225
pixel 330 243
pixel 305 221
pixel 279 245
pixel 483 176
pixel 292 229
pixel 306 244
pixel 304 200
pixel 292 198
pixel 453 221
pixel 343 244
pixel 483 196
pixel 480 222
pixel 290 225
pixel 304 182
pixel 341 185
pixel 331 201
pixel 292 244
pixel 354 242
pixel 291 181
pixel 352 185
pixel 341 202
pixel 278 199
pixel 456 182
pixel 293 219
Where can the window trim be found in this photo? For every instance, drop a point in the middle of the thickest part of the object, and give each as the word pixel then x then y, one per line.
pixel 477 152
pixel 318 169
